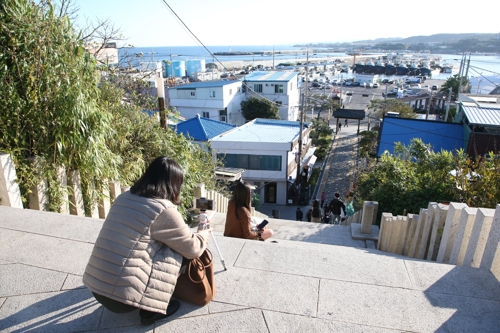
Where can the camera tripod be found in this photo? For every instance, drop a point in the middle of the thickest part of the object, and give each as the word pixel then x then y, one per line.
pixel 206 226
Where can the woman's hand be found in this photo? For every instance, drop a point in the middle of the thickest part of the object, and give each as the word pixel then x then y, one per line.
pixel 204 234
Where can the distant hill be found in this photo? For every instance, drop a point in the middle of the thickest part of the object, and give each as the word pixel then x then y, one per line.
pixel 437 38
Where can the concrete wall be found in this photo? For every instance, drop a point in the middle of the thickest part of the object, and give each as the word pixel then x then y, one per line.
pixel 452 234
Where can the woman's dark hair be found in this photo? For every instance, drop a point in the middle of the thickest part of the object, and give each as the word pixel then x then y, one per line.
pixel 162 180
pixel 241 196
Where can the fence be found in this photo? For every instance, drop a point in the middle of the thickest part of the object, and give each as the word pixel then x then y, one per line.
pixel 446 233
pixel 10 194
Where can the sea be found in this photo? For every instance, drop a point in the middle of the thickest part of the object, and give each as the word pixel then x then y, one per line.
pixel 483 69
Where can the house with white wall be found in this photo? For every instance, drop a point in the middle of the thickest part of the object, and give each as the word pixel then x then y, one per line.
pixel 280 87
pixel 217 100
pixel 267 150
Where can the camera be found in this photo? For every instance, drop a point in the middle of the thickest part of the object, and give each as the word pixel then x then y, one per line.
pixel 204 204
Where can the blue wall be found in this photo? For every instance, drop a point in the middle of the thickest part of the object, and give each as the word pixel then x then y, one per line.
pixel 446 136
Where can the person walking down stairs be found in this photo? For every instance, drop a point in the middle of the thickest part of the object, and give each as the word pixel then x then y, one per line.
pixel 336 207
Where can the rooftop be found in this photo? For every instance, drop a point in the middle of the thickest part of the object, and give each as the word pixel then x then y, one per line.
pixel 314 279
pixel 203 129
pixel 482 114
pixel 264 130
pixel 205 84
pixel 274 76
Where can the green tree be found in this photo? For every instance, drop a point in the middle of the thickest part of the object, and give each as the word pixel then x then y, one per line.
pixel 453 82
pixel 321 135
pixel 255 107
pixel 322 103
pixel 409 179
pixel 380 107
pixel 57 111
pixel 49 92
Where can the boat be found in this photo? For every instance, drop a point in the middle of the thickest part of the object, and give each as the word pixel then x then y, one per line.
pixel 413 69
pixel 369 67
pixel 379 67
pixel 425 70
pixel 360 67
pixel 402 69
pixel 390 69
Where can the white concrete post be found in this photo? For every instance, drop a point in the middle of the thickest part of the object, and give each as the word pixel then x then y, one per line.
pixel 437 231
pixel 449 231
pixel 38 198
pixel 392 225
pixel 384 228
pixel 124 188
pixel 369 210
pixel 104 202
pixel 414 247
pixel 462 237
pixel 491 255
pixel 10 195
pixel 479 236
pixel 63 183
pixel 426 232
pixel 75 194
pixel 411 234
pixel 401 233
pixel 114 190
pixel 199 191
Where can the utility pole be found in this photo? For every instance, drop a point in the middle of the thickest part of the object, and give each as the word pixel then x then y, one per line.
pixel 448 106
pixel 299 155
pixel 161 101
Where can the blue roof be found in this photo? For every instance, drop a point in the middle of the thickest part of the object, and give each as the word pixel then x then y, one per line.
pixel 275 76
pixel 205 84
pixel 264 130
pixel 203 129
pixel 440 135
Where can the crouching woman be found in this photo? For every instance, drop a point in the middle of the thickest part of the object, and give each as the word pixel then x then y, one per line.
pixel 238 218
pixel 138 254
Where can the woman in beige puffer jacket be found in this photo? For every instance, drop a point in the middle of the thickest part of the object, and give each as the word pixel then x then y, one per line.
pixel 138 254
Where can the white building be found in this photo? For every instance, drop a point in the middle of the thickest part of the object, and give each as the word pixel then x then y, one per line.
pixel 366 78
pixel 280 87
pixel 266 149
pixel 217 100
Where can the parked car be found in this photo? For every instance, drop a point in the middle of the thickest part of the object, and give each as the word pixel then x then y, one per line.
pixel 349 93
pixel 434 87
pixel 327 86
pixel 356 84
pixel 375 85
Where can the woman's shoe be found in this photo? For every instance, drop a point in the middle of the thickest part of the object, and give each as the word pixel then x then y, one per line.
pixel 148 317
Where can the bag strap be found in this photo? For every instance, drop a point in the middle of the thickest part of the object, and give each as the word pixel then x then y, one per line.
pixel 198 265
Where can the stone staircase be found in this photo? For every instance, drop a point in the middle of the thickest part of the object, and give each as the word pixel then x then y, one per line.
pixel 304 282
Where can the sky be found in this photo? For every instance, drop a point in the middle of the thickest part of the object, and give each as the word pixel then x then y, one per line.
pixel 280 22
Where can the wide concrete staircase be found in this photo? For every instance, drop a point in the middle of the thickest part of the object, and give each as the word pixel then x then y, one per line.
pixel 314 279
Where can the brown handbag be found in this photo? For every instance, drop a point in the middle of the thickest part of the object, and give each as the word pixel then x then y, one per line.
pixel 197 285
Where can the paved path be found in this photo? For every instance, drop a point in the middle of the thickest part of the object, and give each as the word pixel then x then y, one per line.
pixel 289 286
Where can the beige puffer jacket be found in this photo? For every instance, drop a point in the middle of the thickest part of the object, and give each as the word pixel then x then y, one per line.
pixel 137 256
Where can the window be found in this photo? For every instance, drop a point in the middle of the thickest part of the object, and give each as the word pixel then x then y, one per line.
pixel 251 162
pixel 193 93
pixel 212 93
pixel 279 103
pixel 257 87
pixel 205 114
pixel 278 88
pixel 223 116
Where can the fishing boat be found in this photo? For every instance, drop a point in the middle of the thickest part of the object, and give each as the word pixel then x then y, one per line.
pixel 402 69
pixel 390 69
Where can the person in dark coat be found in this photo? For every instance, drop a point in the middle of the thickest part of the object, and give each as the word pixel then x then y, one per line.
pixel 336 206
pixel 299 215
